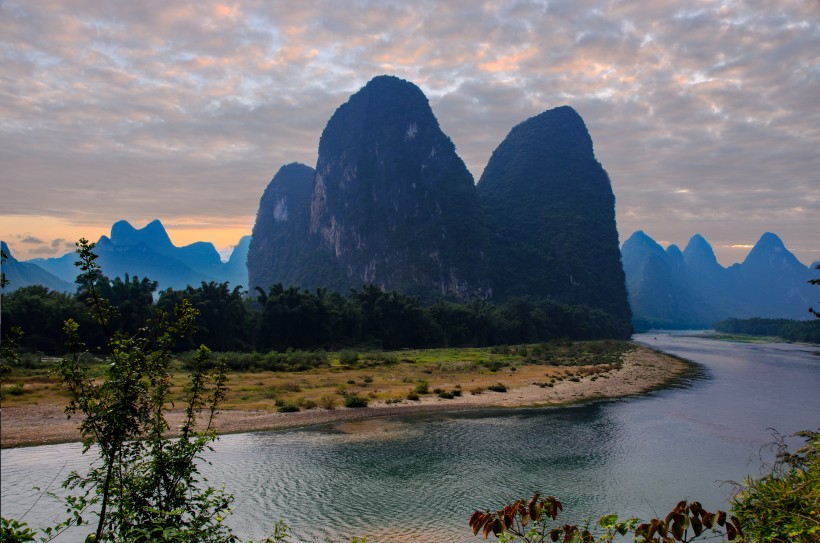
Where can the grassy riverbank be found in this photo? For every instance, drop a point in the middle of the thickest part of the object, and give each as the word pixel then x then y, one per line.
pixel 389 382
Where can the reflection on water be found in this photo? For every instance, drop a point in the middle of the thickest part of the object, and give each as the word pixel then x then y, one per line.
pixel 419 478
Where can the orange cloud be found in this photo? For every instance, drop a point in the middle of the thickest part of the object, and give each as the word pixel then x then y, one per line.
pixel 223 11
pixel 508 63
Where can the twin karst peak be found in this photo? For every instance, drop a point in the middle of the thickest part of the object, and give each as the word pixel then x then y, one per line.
pixel 392 204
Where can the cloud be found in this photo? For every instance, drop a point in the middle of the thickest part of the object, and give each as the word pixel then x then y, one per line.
pixel 184 110
pixel 32 240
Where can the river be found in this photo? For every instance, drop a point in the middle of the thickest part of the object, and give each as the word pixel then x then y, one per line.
pixel 419 478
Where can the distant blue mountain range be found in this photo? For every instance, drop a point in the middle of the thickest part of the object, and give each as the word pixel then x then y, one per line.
pixel 146 252
pixel 670 288
pixel 24 274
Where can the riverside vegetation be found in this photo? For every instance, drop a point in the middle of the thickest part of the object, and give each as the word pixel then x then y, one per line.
pixel 147 486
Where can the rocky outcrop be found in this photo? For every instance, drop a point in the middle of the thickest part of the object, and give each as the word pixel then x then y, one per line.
pixel 550 208
pixel 392 203
pixel 280 241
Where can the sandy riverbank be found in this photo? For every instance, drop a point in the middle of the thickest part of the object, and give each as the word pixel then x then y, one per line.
pixel 643 370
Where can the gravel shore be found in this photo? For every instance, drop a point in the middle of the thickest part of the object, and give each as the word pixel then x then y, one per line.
pixel 643 370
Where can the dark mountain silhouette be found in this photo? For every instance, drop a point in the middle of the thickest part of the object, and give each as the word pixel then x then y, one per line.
pixel 551 211
pixel 24 274
pixel 666 292
pixel 281 249
pixel 235 270
pixel 392 202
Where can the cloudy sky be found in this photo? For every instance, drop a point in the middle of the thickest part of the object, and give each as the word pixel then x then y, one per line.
pixel 705 114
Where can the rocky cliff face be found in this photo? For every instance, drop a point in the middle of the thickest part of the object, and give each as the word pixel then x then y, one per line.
pixel 392 203
pixel 550 207
pixel 280 239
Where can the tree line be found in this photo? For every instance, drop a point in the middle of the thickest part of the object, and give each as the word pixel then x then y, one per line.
pixel 790 330
pixel 283 318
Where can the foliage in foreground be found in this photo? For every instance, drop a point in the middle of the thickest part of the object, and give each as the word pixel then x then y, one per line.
pixel 534 521
pixel 784 505
pixel 147 486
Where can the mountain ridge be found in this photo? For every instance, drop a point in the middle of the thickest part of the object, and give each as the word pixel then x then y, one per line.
pixel 702 291
pixel 149 252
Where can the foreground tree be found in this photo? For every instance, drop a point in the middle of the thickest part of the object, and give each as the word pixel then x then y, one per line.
pixel 146 486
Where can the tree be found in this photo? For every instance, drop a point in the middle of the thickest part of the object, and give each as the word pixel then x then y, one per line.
pixel 813 311
pixel 147 486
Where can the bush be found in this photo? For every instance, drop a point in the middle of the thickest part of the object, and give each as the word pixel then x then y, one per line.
pixel 534 521
pixel 348 358
pixel 413 395
pixel 355 401
pixel 422 387
pixel 288 408
pixel 446 395
pixel 783 505
pixel 15 390
pixel 304 403
pixel 328 402
pixel 498 387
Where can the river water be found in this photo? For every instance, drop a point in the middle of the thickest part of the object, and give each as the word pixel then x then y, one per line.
pixel 419 478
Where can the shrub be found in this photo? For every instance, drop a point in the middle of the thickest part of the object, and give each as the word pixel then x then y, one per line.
pixel 782 506
pixel 422 387
pixel 288 408
pixel 413 395
pixel 446 395
pixel 304 403
pixel 16 390
pixel 534 520
pixel 476 391
pixel 498 387
pixel 328 402
pixel 348 357
pixel 355 401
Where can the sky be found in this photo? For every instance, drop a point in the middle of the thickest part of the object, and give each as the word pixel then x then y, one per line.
pixel 705 114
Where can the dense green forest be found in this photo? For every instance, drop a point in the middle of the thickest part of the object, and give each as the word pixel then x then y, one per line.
pixel 289 318
pixel 790 330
